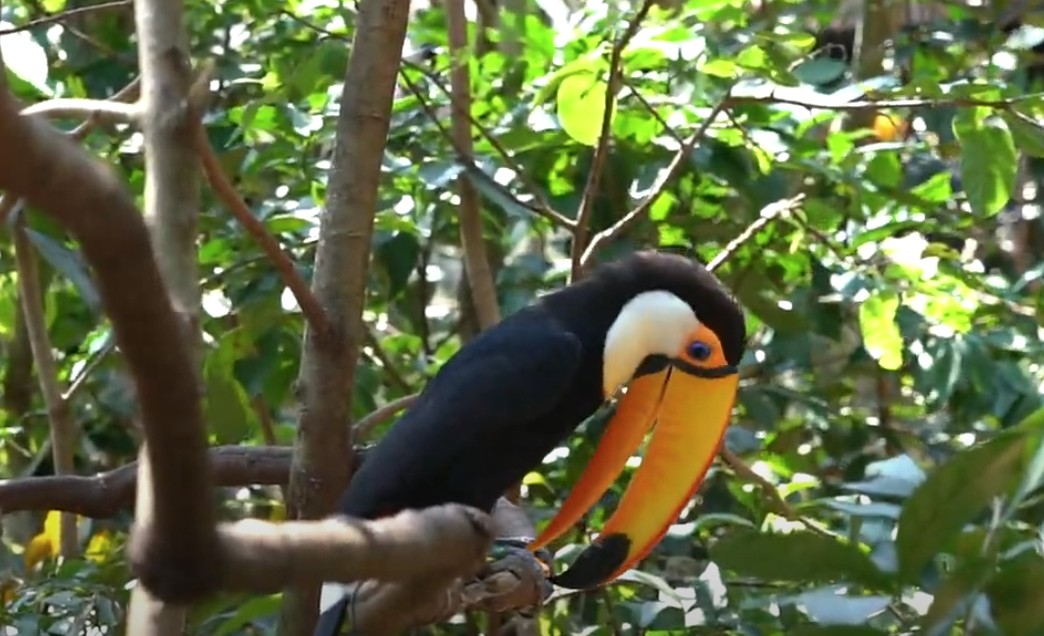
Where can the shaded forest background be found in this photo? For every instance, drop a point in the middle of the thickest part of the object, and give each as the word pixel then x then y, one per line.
pixel 865 176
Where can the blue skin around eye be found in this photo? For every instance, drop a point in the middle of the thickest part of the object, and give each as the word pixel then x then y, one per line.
pixel 699 350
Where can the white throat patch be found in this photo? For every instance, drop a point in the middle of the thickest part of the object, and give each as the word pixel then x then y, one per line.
pixel 653 322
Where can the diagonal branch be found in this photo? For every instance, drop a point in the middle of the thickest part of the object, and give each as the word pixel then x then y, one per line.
pixel 580 230
pixel 310 307
pixel 63 429
pixel 655 191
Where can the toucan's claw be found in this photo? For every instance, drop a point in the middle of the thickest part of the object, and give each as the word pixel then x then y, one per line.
pixel 540 560
pixel 596 564
pixel 503 545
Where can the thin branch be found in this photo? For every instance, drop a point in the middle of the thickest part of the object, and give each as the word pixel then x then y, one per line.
pixel 835 105
pixel 768 214
pixel 476 263
pixel 776 503
pixel 107 494
pixel 93 362
pixel 382 357
pixel 102 111
pixel 655 191
pixel 365 426
pixel 63 430
pixel 542 207
pixel 602 149
pixel 65 15
pixel 306 300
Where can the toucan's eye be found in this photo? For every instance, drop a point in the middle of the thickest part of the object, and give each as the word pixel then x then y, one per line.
pixel 699 350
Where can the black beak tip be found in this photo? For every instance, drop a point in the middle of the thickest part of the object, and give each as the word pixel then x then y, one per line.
pixel 595 564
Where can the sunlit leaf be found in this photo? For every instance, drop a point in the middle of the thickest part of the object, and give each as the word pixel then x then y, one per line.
pixel 881 335
pixel 581 107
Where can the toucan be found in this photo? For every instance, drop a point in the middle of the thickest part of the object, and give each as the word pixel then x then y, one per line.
pixel 654 333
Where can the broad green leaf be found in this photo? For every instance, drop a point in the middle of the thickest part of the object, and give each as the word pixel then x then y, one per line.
pixel 592 63
pixel 800 557
pixel 581 107
pixel 753 57
pixel 819 71
pixel 70 264
pixel 988 160
pixel 950 600
pixel 952 496
pixel 881 336
pixel 1033 426
pixel 1028 136
pixel 1014 595
pixel 719 67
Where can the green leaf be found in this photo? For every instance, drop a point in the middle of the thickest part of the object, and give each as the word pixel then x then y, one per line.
pixel 881 336
pixel 988 160
pixel 226 405
pixel 753 57
pixel 822 70
pixel 799 556
pixel 581 107
pixel 719 67
pixel 952 496
pixel 1028 135
pixel 1031 478
pixel 1014 595
pixel 70 264
pixel 951 598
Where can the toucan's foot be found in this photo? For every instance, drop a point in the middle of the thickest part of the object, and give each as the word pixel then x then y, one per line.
pixel 540 558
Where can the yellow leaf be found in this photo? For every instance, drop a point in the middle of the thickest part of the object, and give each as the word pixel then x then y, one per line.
pixel 38 549
pixel 99 547
pixel 278 512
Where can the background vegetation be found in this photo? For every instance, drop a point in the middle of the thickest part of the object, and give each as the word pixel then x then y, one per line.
pixel 876 213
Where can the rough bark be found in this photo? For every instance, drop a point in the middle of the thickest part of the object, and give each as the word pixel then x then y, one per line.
pixel 322 462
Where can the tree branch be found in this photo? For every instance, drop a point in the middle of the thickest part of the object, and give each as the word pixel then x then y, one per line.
pixel 306 300
pixel 480 277
pixel 102 111
pixel 65 15
pixel 365 426
pixel 655 191
pixel 322 453
pixel 63 429
pixel 106 494
pixel 55 176
pixel 583 215
pixel 768 214
pixel 264 556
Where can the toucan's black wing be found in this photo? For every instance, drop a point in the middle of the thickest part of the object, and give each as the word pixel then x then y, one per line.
pixel 489 415
pixel 481 423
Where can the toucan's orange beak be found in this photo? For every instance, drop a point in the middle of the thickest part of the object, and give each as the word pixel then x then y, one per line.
pixel 690 402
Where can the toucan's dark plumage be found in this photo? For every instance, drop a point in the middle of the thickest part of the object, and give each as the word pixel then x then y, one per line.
pixel 658 324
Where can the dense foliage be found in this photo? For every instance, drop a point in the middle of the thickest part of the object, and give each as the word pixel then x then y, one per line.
pixel 890 408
